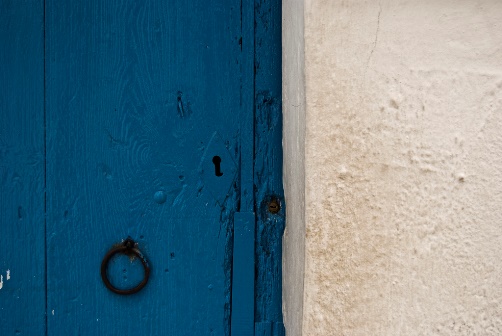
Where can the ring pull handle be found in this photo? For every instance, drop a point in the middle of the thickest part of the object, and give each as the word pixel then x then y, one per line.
pixel 129 248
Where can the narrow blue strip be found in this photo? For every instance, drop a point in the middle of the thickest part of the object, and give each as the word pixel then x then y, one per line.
pixel 243 275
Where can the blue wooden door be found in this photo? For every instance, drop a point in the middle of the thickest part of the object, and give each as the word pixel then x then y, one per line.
pixel 156 122
pixel 22 233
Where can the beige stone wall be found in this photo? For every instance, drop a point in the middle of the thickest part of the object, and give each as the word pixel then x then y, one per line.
pixel 403 167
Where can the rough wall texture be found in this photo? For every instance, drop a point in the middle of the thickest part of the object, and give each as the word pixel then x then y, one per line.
pixel 403 167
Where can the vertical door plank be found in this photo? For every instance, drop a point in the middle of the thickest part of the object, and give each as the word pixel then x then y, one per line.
pixel 22 238
pixel 243 274
pixel 247 64
pixel 268 167
pixel 141 97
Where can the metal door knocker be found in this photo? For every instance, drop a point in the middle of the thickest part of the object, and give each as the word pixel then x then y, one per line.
pixel 129 248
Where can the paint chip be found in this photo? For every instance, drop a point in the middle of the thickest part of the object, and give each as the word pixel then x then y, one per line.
pixel 8 274
pixel 1 281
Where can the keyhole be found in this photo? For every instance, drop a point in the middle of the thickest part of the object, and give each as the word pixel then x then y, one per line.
pixel 217 168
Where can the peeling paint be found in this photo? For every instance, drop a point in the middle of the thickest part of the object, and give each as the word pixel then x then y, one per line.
pixel 184 108
pixel 8 275
pixel 1 281
pixel 268 169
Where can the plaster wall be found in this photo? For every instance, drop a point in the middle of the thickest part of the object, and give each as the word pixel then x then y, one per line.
pixel 403 168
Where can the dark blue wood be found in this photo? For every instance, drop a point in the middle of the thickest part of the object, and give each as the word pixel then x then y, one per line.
pixel 243 275
pixel 269 329
pixel 22 275
pixel 141 96
pixel 247 199
pixel 141 99
pixel 268 167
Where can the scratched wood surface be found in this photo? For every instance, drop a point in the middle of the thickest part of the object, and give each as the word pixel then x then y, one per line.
pixel 141 96
pixel 22 277
pixel 268 168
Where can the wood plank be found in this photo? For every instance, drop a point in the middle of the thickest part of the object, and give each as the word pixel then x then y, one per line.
pixel 269 329
pixel 247 107
pixel 22 238
pixel 268 162
pixel 243 275
pixel 141 96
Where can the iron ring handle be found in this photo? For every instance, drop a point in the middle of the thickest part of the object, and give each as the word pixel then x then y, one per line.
pixel 128 247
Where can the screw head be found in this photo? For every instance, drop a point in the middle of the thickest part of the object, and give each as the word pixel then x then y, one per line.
pixel 274 206
pixel 129 243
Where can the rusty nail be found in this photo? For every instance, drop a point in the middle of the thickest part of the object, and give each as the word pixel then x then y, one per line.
pixel 274 206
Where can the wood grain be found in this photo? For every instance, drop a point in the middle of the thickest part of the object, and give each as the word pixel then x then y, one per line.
pixel 22 275
pixel 139 99
pixel 135 93
pixel 268 168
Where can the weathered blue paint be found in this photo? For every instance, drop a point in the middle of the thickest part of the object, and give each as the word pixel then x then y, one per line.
pixel 148 131
pixel 22 265
pixel 269 329
pixel 268 168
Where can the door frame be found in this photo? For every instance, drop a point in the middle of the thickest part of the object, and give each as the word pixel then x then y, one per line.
pixel 262 36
